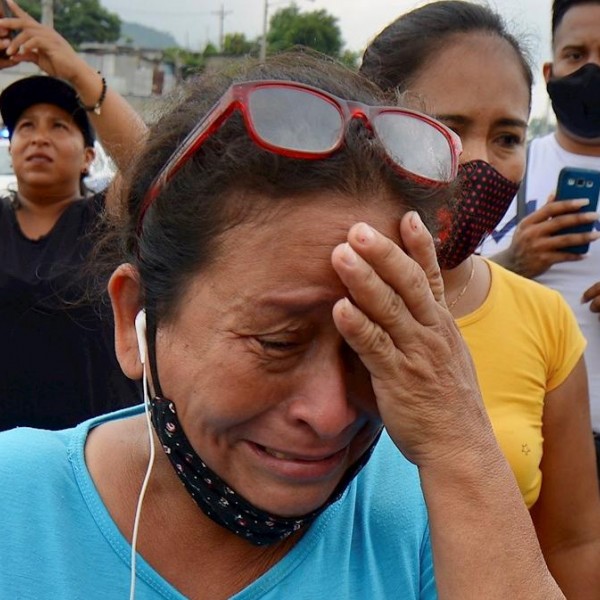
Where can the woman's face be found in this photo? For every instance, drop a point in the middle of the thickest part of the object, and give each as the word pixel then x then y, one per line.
pixel 476 86
pixel 266 390
pixel 47 149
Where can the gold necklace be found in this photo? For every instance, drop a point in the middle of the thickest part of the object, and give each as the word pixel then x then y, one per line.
pixel 466 286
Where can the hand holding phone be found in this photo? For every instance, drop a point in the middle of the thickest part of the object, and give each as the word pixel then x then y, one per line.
pixel 576 184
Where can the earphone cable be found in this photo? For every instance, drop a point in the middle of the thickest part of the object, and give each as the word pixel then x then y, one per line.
pixel 138 510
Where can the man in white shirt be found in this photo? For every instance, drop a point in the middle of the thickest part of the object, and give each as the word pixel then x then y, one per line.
pixel 529 246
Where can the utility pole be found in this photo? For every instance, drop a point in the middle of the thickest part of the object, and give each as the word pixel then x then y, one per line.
pixel 263 37
pixel 222 13
pixel 48 13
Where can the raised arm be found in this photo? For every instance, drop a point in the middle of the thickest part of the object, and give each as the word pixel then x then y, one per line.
pixel 118 125
pixel 483 540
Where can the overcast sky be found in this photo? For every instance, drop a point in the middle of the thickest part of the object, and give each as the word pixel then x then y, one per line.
pixel 195 22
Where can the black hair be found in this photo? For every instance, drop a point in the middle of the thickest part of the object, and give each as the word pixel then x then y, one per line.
pixel 230 180
pixel 399 53
pixel 560 8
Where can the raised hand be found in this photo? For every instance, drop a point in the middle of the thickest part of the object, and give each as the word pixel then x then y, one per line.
pixel 39 44
pixel 398 324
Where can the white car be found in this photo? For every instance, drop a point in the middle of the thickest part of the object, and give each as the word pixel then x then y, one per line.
pixel 8 181
pixel 102 170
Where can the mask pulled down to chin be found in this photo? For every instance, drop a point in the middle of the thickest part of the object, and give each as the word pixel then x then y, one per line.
pixel 484 198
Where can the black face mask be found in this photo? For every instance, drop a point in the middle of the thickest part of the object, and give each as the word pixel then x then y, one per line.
pixel 220 502
pixel 576 101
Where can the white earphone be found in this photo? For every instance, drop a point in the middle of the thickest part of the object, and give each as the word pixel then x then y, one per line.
pixel 140 328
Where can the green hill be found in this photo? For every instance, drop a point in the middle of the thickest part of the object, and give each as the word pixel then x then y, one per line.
pixel 146 37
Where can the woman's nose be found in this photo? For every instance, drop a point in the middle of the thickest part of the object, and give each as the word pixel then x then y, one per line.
pixel 475 150
pixel 322 402
pixel 40 135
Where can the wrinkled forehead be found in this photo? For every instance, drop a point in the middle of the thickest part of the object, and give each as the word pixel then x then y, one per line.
pixel 319 220
pixel 291 249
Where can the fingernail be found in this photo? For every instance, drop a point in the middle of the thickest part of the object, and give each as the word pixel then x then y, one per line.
pixel 365 233
pixel 346 308
pixel 581 202
pixel 415 222
pixel 348 255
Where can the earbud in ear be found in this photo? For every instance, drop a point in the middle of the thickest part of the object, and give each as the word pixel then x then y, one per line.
pixel 140 328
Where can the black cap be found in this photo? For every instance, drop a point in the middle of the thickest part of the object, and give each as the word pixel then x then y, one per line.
pixel 43 89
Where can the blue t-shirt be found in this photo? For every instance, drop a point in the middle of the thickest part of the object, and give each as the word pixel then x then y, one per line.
pixel 58 541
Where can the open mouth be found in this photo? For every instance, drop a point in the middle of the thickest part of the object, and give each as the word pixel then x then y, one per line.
pixel 294 457
pixel 39 158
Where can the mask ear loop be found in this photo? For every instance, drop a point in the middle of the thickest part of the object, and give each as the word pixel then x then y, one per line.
pixel 140 327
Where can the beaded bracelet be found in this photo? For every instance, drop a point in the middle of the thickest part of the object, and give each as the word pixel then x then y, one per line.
pixel 96 108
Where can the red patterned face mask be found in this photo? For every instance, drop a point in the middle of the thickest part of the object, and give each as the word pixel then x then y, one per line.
pixel 485 197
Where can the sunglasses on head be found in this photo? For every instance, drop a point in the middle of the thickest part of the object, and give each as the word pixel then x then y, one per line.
pixel 300 121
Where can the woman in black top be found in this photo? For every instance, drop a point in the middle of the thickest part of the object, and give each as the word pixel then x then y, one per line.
pixel 57 362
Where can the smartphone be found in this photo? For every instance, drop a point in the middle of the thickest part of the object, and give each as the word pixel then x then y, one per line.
pixel 7 13
pixel 574 184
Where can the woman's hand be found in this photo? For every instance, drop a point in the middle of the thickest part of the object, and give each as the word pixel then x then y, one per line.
pixel 397 322
pixel 41 45
pixel 428 396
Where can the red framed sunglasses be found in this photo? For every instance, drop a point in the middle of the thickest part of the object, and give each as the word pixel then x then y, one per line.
pixel 301 121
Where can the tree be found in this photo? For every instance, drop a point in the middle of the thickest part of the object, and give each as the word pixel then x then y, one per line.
pixel 350 59
pixel 236 44
pixel 79 20
pixel 317 29
pixel 210 50
pixel 185 63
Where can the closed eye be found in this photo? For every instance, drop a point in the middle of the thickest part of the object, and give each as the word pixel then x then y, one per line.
pixel 277 345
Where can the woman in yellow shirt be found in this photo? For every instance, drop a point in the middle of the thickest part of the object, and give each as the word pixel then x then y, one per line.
pixel 456 60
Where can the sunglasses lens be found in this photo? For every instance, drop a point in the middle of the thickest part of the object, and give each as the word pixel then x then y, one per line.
pixel 415 145
pixel 295 120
